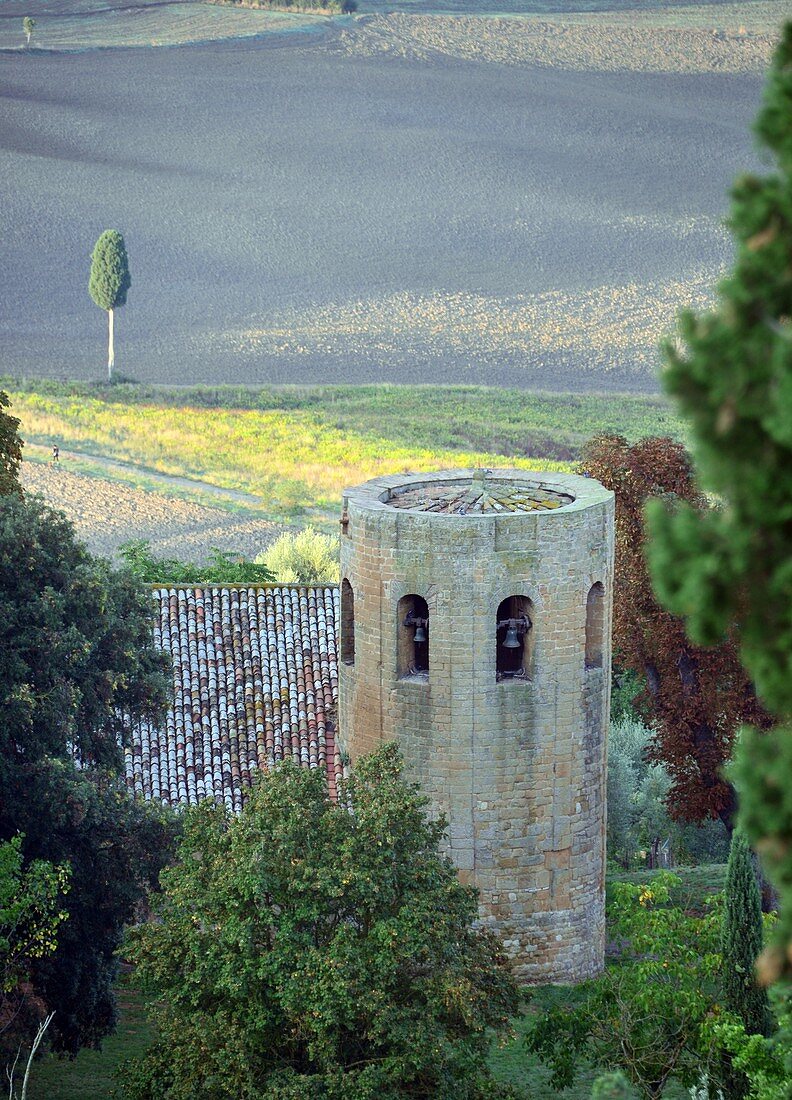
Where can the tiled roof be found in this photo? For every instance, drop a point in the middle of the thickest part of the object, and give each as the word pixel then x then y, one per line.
pixel 255 680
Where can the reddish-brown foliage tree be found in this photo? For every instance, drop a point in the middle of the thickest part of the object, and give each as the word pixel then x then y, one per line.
pixel 695 697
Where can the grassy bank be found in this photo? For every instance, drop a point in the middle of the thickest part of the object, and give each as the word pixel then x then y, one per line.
pixel 296 448
pixel 92 1075
pixel 294 461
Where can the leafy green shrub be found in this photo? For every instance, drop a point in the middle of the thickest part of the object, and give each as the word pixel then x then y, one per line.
pixel 309 557
pixel 222 567
pixel 765 1063
pixel 304 951
pixel 612 1086
pixel 625 686
pixel 647 1014
pixel 638 816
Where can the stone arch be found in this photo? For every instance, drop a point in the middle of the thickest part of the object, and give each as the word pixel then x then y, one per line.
pixel 514 662
pixel 412 616
pixel 595 625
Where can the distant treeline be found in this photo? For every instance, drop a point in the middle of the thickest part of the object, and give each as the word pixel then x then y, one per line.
pixel 318 7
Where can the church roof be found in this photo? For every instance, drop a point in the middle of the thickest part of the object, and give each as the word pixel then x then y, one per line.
pixel 255 680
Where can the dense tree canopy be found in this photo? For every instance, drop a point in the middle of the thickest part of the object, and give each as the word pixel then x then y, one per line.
pixel 31 914
pixel 76 652
pixel 116 848
pixel 731 567
pixel 10 449
pixel 311 949
pixel 696 697
pixel 77 660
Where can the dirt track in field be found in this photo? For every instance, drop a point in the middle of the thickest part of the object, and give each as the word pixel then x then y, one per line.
pixel 107 513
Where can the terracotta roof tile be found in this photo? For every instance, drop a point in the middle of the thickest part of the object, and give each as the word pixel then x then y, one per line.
pixel 255 680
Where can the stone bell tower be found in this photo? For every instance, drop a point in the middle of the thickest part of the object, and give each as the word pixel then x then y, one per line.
pixel 475 631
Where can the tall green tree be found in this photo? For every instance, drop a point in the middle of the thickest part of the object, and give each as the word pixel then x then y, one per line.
pixel 302 950
pixel 76 652
pixel 741 940
pixel 77 665
pixel 116 847
pixel 109 282
pixel 10 449
pixel 730 568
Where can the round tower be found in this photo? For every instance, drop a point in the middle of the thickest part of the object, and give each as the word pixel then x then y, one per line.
pixel 475 631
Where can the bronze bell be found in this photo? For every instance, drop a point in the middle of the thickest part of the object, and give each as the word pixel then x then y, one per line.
pixel 511 641
pixel 420 633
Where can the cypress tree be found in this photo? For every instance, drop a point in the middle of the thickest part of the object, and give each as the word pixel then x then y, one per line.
pixel 741 940
pixel 109 281
pixel 729 567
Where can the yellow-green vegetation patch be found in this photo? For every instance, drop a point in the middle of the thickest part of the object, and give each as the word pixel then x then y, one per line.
pixel 293 460
pixel 146 25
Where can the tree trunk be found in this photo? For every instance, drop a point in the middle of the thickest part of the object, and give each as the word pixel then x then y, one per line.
pixel 767 891
pixel 728 812
pixel 110 350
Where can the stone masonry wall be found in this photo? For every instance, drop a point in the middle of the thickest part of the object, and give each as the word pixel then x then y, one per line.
pixel 517 766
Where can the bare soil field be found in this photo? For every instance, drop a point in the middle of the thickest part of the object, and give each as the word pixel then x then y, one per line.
pixel 143 24
pixel 106 514
pixel 733 39
pixel 515 202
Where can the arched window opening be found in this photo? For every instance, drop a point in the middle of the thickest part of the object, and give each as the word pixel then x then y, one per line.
pixel 514 639
pixel 595 625
pixel 413 655
pixel 347 623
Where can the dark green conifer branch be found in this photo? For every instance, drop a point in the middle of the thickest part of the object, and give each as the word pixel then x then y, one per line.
pixel 732 565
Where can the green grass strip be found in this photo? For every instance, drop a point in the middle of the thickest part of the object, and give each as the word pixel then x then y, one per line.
pixel 298 447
